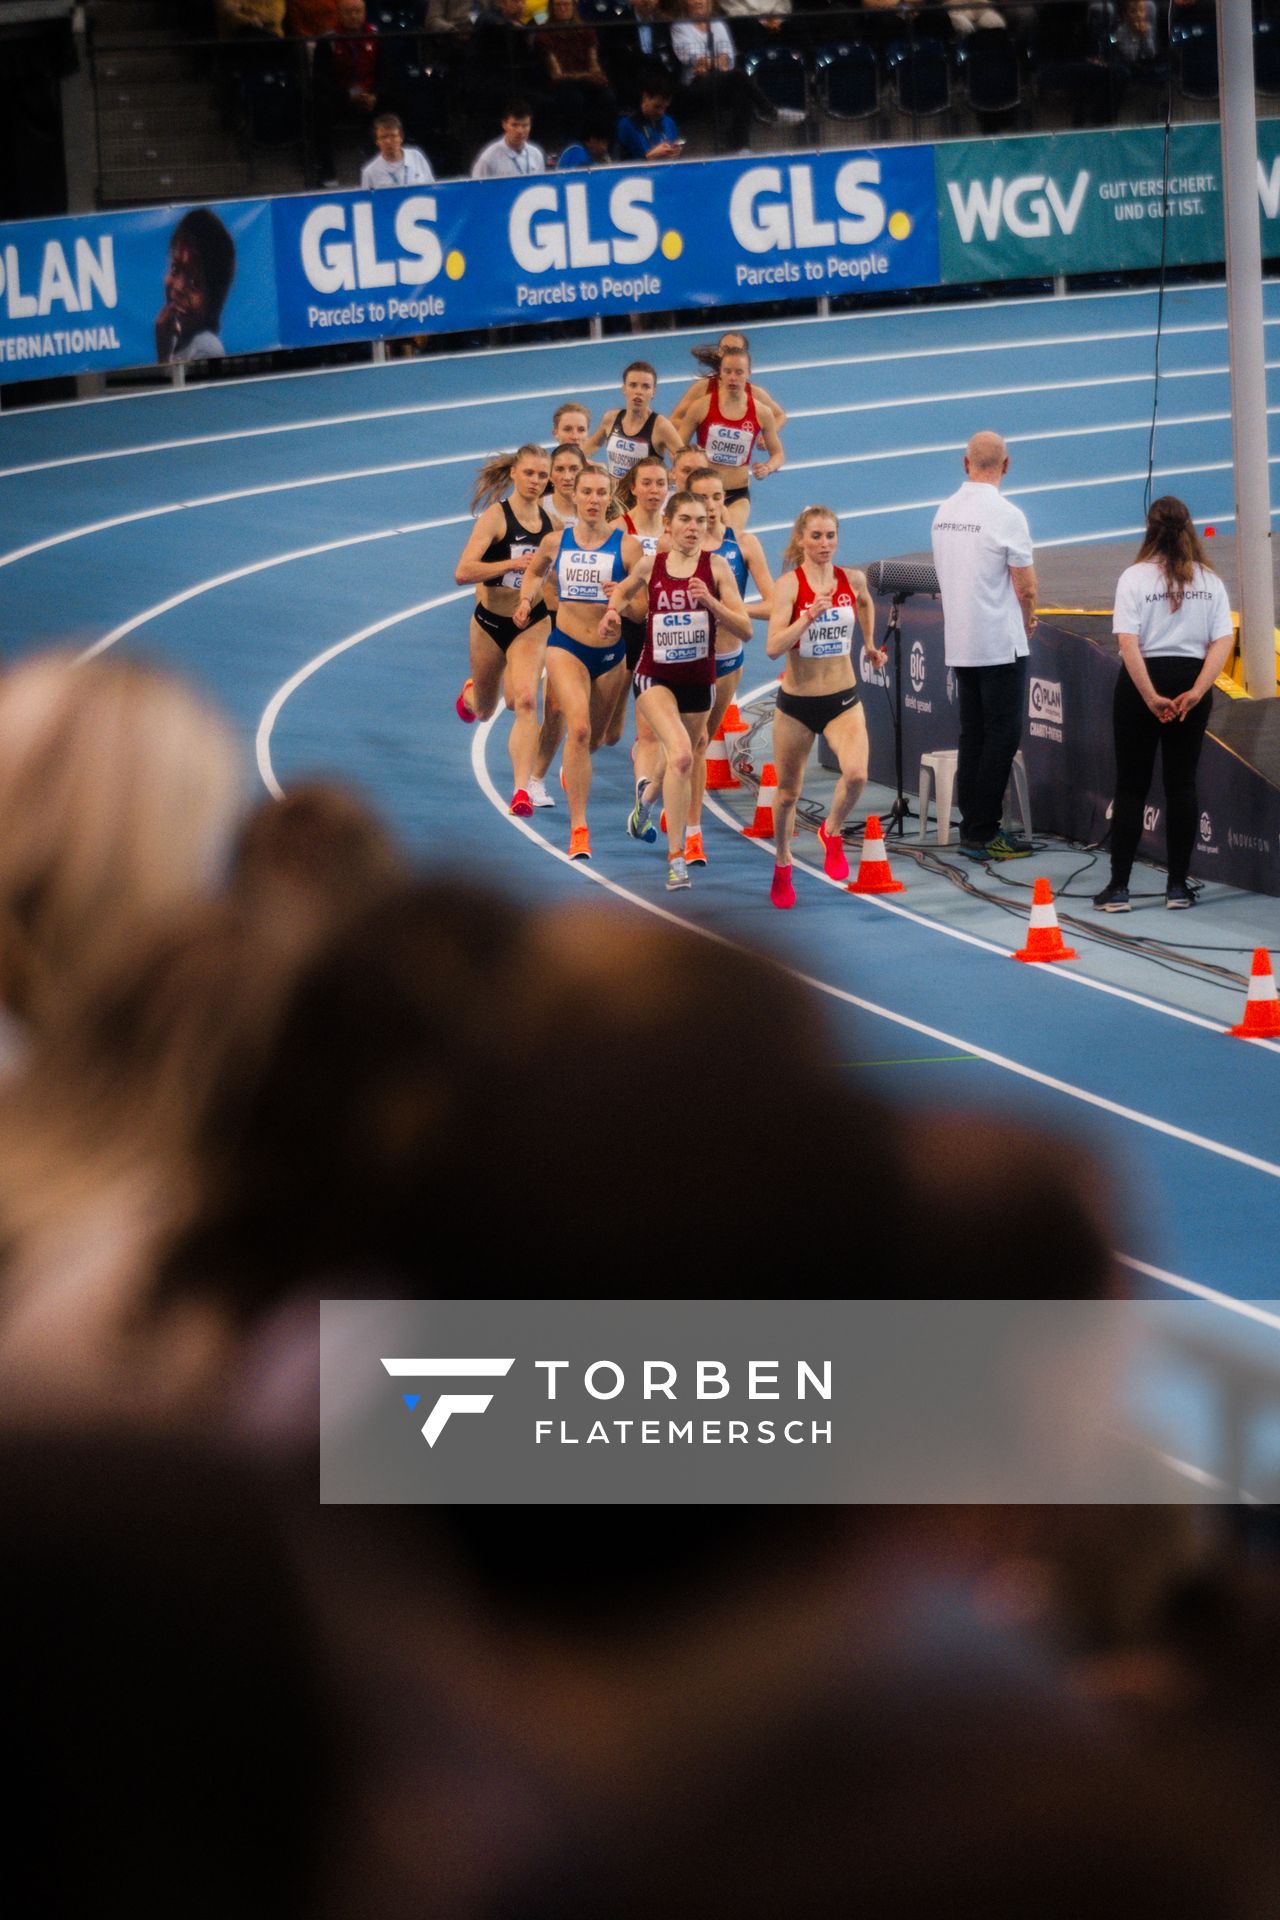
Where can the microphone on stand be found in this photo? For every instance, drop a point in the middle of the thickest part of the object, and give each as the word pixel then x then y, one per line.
pixel 902 578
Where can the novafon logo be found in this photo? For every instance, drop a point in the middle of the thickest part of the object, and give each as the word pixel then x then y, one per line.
pixel 448 1403
pixel 1030 206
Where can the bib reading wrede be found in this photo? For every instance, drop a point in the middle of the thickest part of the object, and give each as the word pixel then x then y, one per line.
pixel 831 633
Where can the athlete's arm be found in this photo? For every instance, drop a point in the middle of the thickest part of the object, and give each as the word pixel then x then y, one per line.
pixel 783 630
pixel 535 571
pixel 696 415
pixel 727 607
pixel 471 570
pixel 779 413
pixel 769 434
pixel 695 390
pixel 602 432
pixel 611 620
pixel 665 437
pixel 761 578
pixel 867 616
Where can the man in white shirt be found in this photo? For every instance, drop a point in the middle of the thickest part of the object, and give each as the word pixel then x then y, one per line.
pixel 984 562
pixel 394 164
pixel 515 153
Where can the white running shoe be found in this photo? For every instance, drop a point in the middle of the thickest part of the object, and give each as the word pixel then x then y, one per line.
pixel 539 795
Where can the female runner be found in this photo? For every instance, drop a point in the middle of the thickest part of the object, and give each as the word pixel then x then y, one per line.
pixel 817 609
pixel 646 484
pixel 571 423
pixel 1173 622
pixel 745 558
pixel 728 424
pixel 567 463
pixel 629 432
pixel 688 461
pixel 501 545
pixel 691 595
pixel 584 668
pixel 709 357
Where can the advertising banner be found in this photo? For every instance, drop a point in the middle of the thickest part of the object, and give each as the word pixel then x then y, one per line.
pixel 607 240
pixel 171 284
pixel 1089 202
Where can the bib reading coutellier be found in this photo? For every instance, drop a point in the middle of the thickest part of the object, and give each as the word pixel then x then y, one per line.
pixel 681 637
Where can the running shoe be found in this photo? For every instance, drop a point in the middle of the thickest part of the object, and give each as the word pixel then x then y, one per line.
pixel 465 713
pixel 579 844
pixel 639 821
pixel 563 787
pixel 1003 846
pixel 538 793
pixel 694 854
pixel 521 804
pixel 782 892
pixel 974 849
pixel 677 873
pixel 1178 894
pixel 1112 899
pixel 835 863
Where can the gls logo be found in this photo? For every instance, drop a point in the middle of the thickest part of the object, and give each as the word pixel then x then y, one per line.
pixel 335 264
pixel 448 1369
pixel 762 224
pixel 1026 205
pixel 550 227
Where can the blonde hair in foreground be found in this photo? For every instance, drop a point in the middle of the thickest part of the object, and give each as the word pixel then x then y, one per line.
pixel 119 790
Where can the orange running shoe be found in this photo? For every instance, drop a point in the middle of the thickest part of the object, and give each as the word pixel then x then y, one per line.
pixel 579 844
pixel 693 853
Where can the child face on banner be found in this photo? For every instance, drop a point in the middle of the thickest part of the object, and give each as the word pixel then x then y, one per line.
pixel 185 291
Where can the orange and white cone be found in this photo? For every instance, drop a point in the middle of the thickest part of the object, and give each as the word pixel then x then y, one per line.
pixel 1044 936
pixel 1262 1007
pixel 761 827
pixel 873 868
pixel 720 775
pixel 733 720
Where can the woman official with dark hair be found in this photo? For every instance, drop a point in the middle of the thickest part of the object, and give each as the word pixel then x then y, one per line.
pixel 1173 623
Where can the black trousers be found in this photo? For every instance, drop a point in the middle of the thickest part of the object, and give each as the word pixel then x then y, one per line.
pixel 992 702
pixel 1138 734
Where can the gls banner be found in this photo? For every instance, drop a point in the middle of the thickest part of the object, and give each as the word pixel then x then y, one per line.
pixel 1085 202
pixel 684 1402
pixel 609 240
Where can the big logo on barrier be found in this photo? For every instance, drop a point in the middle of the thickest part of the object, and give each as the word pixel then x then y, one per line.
pixel 447 1368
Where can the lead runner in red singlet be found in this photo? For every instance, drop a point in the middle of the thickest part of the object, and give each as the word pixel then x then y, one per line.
pixel 818 608
pixel 691 593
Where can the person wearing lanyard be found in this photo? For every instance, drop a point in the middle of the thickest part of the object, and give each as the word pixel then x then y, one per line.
pixel 1173 623
pixel 394 164
pixel 515 153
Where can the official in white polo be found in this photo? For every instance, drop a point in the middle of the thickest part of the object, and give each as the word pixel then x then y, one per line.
pixel 984 562
pixel 394 164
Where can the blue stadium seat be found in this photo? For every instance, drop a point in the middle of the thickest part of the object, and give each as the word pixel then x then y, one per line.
pixel 848 79
pixel 1195 50
pixel 987 62
pixel 1266 57
pixel 780 74
pixel 920 76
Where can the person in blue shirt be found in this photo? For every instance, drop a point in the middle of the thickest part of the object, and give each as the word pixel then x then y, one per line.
pixel 650 133
pixel 592 149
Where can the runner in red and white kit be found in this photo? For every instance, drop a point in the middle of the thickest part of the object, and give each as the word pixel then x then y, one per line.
pixel 691 594
pixel 709 357
pixel 817 611
pixel 730 424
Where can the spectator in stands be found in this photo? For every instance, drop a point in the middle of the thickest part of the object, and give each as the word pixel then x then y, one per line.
pixel 757 23
pixel 714 86
pixel 345 81
pixel 252 18
pixel 594 146
pixel 652 34
pixel 504 60
pixel 515 153
pixel 394 164
pixel 202 265
pixel 575 76
pixel 650 133
pixel 311 19
pixel 966 19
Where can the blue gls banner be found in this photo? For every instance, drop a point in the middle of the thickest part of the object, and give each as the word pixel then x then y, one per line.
pixel 166 285
pixel 606 240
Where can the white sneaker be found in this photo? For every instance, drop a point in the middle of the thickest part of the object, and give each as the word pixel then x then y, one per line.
pixel 539 795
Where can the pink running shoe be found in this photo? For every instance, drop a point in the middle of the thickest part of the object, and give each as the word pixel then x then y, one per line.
pixel 835 863
pixel 465 713
pixel 521 804
pixel 782 892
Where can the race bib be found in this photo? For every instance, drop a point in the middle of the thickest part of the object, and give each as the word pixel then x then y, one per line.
pixel 621 454
pixel 831 633
pixel 581 576
pixel 516 580
pixel 729 446
pixel 681 637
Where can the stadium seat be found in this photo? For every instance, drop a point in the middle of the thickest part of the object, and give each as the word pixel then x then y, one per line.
pixel 987 62
pixel 780 74
pixel 1195 51
pixel 1266 57
pixel 848 80
pixel 920 76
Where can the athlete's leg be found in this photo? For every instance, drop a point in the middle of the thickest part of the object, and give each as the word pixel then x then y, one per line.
pixel 488 662
pixel 792 745
pixel 659 708
pixel 847 737
pixel 572 685
pixel 725 691
pixel 525 657
pixel 551 733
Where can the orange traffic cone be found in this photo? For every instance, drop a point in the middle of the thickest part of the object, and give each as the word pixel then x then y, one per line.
pixel 761 827
pixel 873 868
pixel 720 775
pixel 1261 1008
pixel 733 720
pixel 1044 936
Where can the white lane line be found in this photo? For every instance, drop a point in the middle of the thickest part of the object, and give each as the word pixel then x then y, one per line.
pixel 1063 975
pixel 1246 1308
pixel 504 398
pixel 1096 1100
pixel 131 625
pixel 271 712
